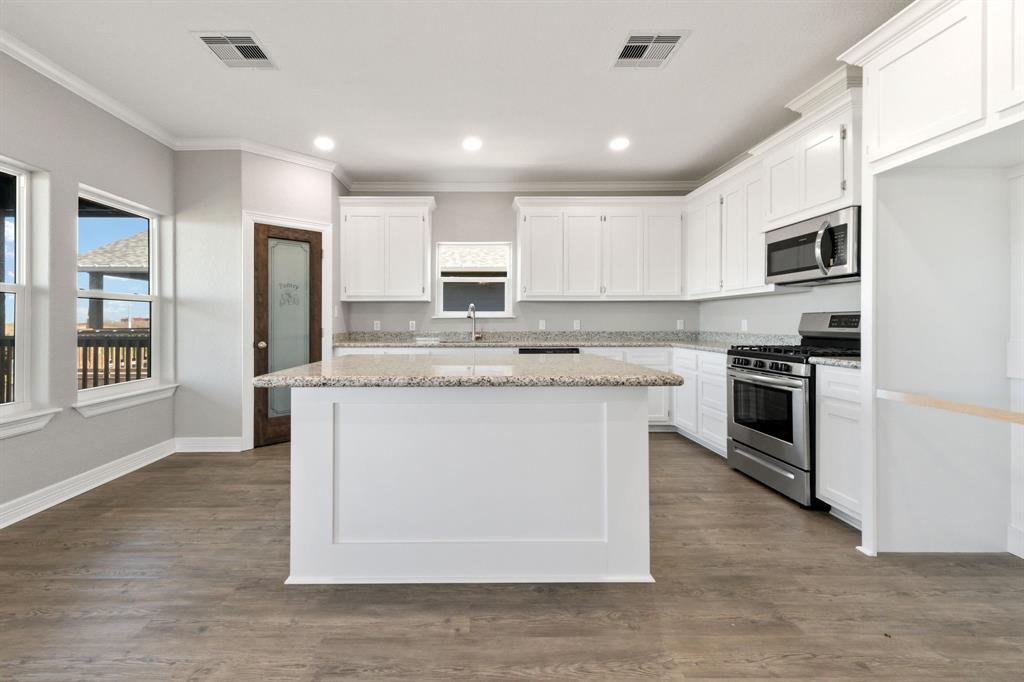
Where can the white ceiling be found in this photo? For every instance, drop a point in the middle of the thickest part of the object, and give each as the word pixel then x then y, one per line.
pixel 399 84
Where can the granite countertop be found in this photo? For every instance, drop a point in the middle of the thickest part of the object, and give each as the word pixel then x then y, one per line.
pixel 715 342
pixel 467 369
pixel 849 363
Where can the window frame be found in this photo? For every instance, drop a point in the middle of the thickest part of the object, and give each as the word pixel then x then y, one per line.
pixel 153 381
pixel 441 313
pixel 22 294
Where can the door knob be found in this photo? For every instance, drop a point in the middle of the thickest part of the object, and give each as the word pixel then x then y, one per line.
pixel 262 345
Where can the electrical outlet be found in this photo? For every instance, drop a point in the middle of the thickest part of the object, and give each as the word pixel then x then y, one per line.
pixel 542 325
pixel 412 325
pixel 337 310
pixel 680 324
pixel 376 325
pixel 575 325
pixel 743 325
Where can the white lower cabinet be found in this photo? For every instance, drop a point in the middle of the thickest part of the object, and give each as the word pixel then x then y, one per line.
pixel 699 406
pixel 659 398
pixel 838 435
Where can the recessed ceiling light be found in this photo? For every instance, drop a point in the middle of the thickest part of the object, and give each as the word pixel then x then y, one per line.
pixel 324 143
pixel 472 144
pixel 618 144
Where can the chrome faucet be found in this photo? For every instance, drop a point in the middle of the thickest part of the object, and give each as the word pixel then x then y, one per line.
pixel 471 314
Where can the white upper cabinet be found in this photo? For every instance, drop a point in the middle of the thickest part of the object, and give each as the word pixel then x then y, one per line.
pixel 663 253
pixel 938 74
pixel 1005 54
pixel 385 245
pixel 624 251
pixel 810 168
pixel 703 245
pixel 541 249
pixel 743 232
pixel 624 248
pixel 582 253
pixel 407 241
pixel 928 84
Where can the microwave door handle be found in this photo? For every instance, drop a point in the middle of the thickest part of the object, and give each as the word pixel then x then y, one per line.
pixel 825 227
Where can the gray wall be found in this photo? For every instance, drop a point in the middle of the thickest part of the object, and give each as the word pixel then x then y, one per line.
pixel 213 189
pixel 488 216
pixel 71 141
pixel 208 197
pixel 778 313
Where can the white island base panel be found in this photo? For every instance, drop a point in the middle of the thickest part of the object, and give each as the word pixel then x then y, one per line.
pixel 469 485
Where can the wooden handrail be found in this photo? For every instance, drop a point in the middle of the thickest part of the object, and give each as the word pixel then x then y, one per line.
pixel 1011 416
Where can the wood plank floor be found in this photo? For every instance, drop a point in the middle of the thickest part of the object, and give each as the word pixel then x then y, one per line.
pixel 175 573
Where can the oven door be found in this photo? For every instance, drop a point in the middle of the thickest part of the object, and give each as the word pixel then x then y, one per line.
pixel 825 247
pixel 772 414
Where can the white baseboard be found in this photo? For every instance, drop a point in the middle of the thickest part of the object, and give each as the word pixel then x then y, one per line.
pixel 1015 540
pixel 208 444
pixel 35 502
pixel 846 517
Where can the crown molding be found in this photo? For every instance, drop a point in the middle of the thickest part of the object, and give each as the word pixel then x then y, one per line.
pixel 210 144
pixel 69 81
pixel 553 186
pixel 829 87
pixel 902 23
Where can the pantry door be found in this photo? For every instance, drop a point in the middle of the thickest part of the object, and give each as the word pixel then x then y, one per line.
pixel 286 318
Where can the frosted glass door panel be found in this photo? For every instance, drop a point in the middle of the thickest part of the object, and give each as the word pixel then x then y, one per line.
pixel 288 314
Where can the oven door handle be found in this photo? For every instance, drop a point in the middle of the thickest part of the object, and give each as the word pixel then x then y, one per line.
pixel 825 227
pixel 790 384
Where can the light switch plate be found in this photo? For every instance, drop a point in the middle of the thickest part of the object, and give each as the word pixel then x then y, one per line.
pixel 376 325
pixel 542 325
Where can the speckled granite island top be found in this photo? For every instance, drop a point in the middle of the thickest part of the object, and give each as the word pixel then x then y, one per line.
pixel 467 369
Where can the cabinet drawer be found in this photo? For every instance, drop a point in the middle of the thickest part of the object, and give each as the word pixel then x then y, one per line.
pixel 712 364
pixel 683 358
pixel 657 358
pixel 839 383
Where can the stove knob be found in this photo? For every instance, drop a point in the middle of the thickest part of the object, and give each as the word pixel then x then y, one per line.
pixel 759 364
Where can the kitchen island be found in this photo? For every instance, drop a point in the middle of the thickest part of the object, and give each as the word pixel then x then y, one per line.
pixel 469 468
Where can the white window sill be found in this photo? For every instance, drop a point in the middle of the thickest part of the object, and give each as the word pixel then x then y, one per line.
pixel 20 423
pixel 479 316
pixel 103 404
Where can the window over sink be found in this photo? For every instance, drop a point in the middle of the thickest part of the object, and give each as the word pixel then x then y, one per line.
pixel 473 272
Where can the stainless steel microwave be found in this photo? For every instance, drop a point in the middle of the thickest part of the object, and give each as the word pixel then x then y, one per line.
pixel 822 250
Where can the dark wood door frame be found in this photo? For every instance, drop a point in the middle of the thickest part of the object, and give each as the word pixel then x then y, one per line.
pixel 266 429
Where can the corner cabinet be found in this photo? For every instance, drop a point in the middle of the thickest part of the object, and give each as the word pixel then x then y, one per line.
pixel 699 406
pixel 599 249
pixel 385 248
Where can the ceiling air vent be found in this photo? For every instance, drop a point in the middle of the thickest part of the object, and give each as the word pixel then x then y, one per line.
pixel 649 49
pixel 237 50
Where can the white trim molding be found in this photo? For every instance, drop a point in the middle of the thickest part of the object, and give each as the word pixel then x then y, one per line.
pixel 61 76
pixel 20 423
pixel 208 444
pixel 368 186
pixel 828 88
pixel 35 502
pixel 906 21
pixel 91 407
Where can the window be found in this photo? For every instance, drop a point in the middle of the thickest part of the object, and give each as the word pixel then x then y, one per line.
pixel 13 289
pixel 117 300
pixel 473 272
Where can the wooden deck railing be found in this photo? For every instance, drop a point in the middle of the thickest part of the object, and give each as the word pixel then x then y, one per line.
pixel 110 357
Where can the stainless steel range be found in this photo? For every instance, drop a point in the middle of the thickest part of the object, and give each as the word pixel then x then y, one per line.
pixel 771 403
